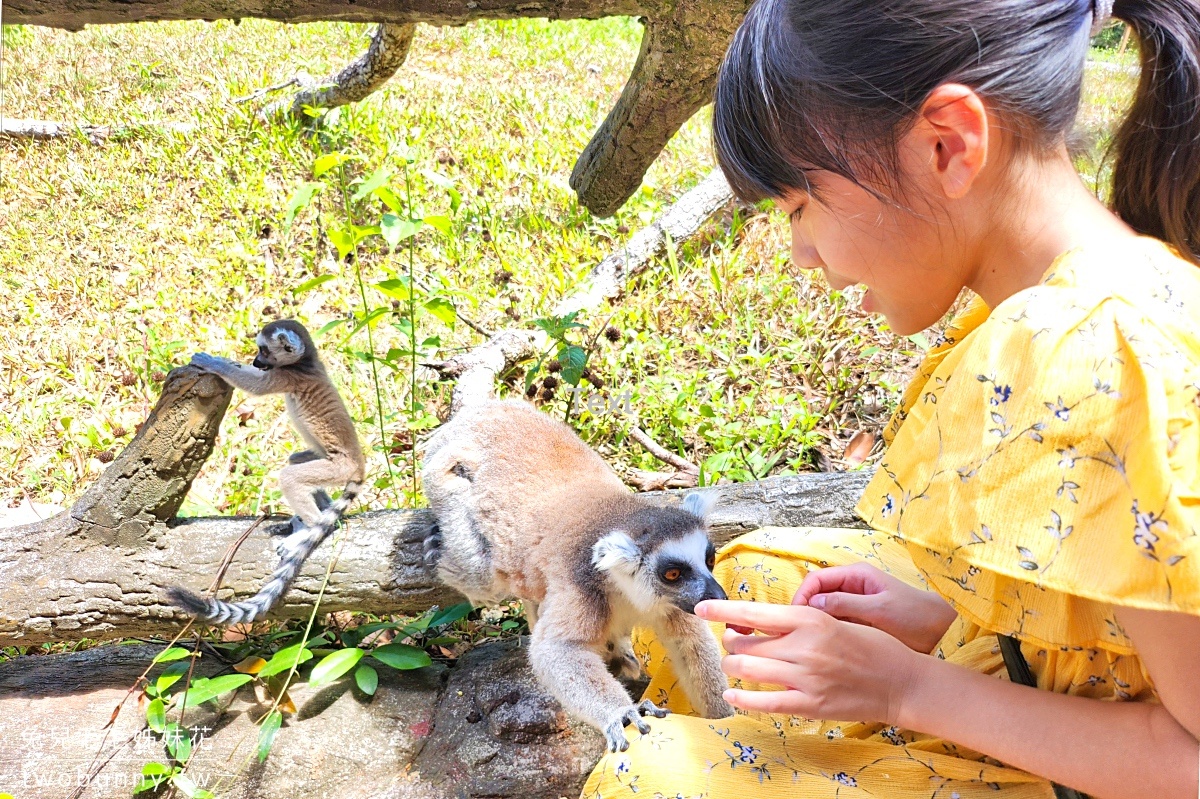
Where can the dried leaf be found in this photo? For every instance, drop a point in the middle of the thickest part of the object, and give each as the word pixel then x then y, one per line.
pixel 251 665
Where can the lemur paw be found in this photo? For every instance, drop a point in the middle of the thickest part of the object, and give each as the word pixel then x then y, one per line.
pixel 433 546
pixel 202 360
pixel 614 731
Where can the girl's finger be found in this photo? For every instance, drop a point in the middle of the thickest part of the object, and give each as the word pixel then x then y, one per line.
pixel 791 702
pixel 762 616
pixel 761 670
pixel 758 645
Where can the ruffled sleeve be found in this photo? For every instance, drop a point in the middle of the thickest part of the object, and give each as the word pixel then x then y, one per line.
pixel 1049 469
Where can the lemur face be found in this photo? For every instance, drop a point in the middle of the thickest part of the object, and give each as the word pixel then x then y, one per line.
pixel 278 346
pixel 682 571
pixel 674 571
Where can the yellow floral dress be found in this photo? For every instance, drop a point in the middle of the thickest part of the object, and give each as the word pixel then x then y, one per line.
pixel 1042 470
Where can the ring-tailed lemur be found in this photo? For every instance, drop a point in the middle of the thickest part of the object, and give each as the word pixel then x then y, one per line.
pixel 287 363
pixel 526 509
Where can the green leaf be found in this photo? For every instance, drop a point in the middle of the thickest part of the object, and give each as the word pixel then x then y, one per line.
pixel 284 659
pixel 343 239
pixel 325 328
pixel 573 359
pixel 186 786
pixel 401 656
pixel 148 770
pixel 396 288
pixel 178 741
pixel 396 230
pixel 450 614
pixel 202 690
pixel 329 161
pixel 156 715
pixel 364 232
pixel 367 679
pixel 443 310
pixel 441 222
pixel 174 653
pixel 390 199
pixel 150 783
pixel 266 735
pixel 447 185
pixel 312 283
pixel 170 676
pixel 335 665
pixel 378 178
pixel 301 200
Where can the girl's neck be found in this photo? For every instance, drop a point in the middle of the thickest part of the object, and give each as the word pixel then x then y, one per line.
pixel 1046 211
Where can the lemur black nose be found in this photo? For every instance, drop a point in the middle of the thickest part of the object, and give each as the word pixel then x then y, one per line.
pixel 713 590
pixel 259 363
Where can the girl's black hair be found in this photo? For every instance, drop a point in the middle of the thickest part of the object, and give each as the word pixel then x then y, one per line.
pixel 833 84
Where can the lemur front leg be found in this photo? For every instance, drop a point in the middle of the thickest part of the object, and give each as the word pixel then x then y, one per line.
pixel 247 378
pixel 579 678
pixel 693 651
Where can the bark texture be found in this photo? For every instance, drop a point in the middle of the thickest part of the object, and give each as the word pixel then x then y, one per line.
pixel 682 47
pixel 389 48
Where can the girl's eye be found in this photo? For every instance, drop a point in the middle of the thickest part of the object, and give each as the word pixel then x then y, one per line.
pixel 794 216
pixel 672 575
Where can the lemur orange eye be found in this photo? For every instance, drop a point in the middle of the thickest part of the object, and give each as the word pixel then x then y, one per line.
pixel 671 575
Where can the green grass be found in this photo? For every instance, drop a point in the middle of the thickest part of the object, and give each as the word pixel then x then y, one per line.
pixel 119 260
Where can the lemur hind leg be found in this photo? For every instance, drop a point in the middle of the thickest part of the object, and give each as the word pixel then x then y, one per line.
pixel 303 485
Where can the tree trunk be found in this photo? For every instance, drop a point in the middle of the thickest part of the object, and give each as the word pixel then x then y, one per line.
pixel 676 69
pixel 99 570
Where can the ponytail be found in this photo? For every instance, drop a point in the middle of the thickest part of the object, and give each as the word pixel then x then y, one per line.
pixel 1156 173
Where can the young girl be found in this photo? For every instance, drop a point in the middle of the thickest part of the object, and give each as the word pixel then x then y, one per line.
pixel 1042 481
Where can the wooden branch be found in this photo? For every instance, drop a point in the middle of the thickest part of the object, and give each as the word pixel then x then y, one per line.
pixel 389 48
pixel 476 370
pixel 53 587
pixel 42 129
pixel 680 221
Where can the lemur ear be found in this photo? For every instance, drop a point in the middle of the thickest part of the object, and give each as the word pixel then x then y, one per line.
pixel 615 549
pixel 699 503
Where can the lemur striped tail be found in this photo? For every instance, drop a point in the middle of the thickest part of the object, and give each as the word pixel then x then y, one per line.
pixel 294 551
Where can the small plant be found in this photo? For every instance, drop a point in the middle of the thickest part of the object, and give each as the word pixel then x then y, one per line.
pixel 375 209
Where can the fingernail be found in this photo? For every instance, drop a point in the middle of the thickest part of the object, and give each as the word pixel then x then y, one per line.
pixel 702 609
pixel 817 602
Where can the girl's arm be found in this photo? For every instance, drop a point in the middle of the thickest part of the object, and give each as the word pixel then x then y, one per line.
pixel 1109 750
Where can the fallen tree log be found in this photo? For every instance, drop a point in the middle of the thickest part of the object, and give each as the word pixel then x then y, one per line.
pixel 681 51
pixel 99 569
pixel 481 728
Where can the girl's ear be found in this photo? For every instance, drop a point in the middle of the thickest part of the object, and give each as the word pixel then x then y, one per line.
pixel 951 135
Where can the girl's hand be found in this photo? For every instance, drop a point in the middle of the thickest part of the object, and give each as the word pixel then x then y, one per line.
pixel 829 669
pixel 863 594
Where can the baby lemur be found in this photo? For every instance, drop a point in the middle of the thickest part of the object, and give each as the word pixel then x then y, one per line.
pixel 526 509
pixel 287 363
